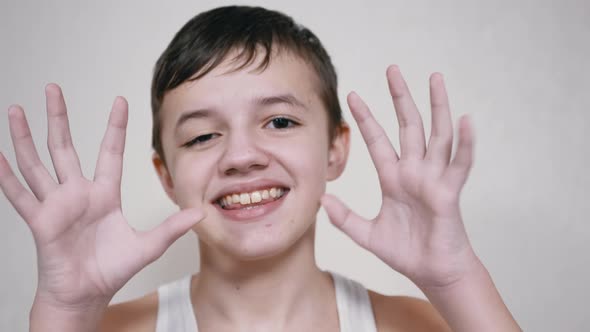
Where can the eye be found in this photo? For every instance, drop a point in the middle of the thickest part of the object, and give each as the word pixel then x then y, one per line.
pixel 281 122
pixel 200 139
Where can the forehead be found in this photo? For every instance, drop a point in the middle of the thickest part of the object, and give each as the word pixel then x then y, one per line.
pixel 231 84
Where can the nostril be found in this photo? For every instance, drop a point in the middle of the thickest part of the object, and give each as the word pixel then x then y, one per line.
pixel 235 170
pixel 243 162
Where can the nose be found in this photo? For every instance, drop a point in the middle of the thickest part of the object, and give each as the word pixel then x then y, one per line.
pixel 242 154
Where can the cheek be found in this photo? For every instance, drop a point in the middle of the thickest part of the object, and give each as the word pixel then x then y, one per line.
pixel 189 184
pixel 307 160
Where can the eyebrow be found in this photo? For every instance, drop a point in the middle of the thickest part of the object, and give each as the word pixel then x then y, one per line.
pixel 288 99
pixel 195 114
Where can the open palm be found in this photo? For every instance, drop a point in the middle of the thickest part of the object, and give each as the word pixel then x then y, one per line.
pixel 418 231
pixel 86 250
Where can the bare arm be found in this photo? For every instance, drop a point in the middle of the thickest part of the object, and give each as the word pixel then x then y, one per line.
pixel 472 304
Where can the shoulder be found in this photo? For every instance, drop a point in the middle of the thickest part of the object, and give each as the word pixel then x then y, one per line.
pixel 136 315
pixel 405 313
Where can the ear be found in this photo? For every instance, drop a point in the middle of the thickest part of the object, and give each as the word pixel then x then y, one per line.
pixel 338 154
pixel 164 175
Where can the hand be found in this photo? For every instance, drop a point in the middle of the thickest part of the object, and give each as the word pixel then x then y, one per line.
pixel 86 251
pixel 418 231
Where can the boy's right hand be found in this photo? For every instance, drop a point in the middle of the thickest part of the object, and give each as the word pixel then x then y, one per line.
pixel 86 251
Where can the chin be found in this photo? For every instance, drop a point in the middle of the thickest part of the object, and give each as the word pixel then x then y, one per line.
pixel 262 241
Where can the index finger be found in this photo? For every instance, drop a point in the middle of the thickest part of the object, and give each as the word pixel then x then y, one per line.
pixel 380 148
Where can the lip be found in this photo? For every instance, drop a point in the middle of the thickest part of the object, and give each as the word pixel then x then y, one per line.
pixel 247 187
pixel 252 213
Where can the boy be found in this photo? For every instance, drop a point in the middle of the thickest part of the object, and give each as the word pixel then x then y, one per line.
pixel 247 130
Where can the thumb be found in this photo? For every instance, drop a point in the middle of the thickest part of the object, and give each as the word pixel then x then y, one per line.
pixel 356 227
pixel 157 240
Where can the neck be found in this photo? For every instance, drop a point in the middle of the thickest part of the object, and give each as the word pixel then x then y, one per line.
pixel 272 293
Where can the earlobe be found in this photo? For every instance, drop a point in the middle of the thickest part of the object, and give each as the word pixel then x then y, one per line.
pixel 164 176
pixel 338 153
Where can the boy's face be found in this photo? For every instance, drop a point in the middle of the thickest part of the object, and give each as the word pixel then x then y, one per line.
pixel 251 131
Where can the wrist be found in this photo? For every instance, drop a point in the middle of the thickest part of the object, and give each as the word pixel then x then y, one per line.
pixel 469 270
pixel 49 316
pixel 472 302
pixel 445 272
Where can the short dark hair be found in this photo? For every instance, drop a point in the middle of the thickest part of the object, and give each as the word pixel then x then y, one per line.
pixel 205 41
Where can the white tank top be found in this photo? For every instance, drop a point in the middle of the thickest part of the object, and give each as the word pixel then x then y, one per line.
pixel 176 314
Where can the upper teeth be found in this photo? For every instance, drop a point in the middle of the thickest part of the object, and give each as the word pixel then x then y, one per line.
pixel 252 197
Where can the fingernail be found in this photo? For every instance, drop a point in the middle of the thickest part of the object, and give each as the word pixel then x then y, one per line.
pixel 52 88
pixel 394 67
pixel 119 101
pixel 12 110
pixel 438 76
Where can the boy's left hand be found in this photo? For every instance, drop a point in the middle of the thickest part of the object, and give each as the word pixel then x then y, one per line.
pixel 419 231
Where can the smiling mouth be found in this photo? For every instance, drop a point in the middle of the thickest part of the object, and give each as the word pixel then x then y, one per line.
pixel 237 201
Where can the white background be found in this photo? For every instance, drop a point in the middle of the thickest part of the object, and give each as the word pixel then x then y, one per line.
pixel 520 68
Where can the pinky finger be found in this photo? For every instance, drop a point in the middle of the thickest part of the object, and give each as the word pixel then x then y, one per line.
pixel 23 201
pixel 459 168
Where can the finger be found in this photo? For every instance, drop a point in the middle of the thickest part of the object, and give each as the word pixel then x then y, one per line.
pixel 411 135
pixel 380 149
pixel 458 170
pixel 27 158
pixel 157 240
pixel 23 201
pixel 357 228
pixel 59 140
pixel 109 166
pixel 441 135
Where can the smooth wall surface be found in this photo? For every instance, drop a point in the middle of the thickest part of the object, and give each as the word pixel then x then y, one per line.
pixel 520 68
